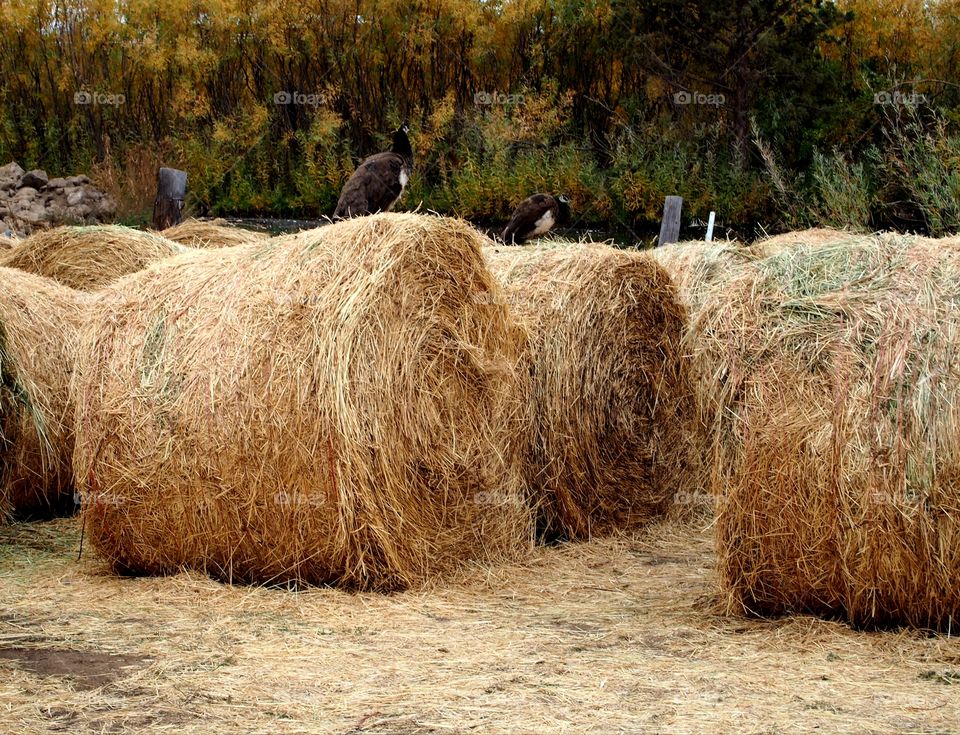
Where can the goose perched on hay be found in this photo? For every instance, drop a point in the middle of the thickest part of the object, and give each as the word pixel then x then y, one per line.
pixel 535 216
pixel 379 181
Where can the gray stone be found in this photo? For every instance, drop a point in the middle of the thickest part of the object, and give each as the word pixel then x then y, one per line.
pixel 106 207
pixel 26 192
pixel 74 198
pixel 33 215
pixel 37 178
pixel 11 171
pixel 77 180
pixel 58 183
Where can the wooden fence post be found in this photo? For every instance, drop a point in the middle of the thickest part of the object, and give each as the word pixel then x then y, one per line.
pixel 171 191
pixel 670 226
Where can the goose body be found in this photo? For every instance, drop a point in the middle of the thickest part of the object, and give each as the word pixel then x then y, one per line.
pixel 535 216
pixel 379 181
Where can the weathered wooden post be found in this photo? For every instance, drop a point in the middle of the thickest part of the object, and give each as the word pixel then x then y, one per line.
pixel 670 226
pixel 710 223
pixel 171 191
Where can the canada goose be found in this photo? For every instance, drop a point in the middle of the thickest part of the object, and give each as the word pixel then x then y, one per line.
pixel 379 181
pixel 535 215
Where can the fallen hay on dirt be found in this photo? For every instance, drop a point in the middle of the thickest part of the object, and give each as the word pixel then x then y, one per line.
pixel 837 409
pixel 342 409
pixel 609 395
pixel 211 234
pixel 39 322
pixel 89 257
pixel 610 636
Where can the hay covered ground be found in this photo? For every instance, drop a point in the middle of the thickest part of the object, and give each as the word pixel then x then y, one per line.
pixel 606 636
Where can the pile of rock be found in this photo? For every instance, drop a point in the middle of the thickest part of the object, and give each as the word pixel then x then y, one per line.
pixel 30 200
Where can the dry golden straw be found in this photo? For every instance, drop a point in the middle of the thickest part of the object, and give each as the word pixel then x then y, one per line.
pixel 609 394
pixel 815 236
pixel 211 234
pixel 343 408
pixel 88 258
pixel 39 322
pixel 6 243
pixel 696 266
pixel 837 417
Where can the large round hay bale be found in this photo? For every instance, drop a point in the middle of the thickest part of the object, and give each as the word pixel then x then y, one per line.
pixel 838 421
pixel 609 393
pixel 343 409
pixel 215 233
pixel 89 257
pixel 39 322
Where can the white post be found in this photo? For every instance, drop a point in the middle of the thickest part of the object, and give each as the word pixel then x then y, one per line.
pixel 713 216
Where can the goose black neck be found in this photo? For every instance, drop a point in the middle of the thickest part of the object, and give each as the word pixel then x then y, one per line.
pixel 401 144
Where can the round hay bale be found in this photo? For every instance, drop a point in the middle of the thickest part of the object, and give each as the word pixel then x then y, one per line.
pixel 341 409
pixel 837 468
pixel 39 324
pixel 814 236
pixel 215 233
pixel 609 393
pixel 89 257
pixel 698 268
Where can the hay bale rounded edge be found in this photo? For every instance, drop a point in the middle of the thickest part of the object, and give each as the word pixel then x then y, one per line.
pixel 343 408
pixel 813 236
pixel 211 234
pixel 837 469
pixel 89 257
pixel 609 392
pixel 39 327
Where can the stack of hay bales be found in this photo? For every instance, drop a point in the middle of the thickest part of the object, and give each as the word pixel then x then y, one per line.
pixel 39 323
pixel 609 395
pixel 89 257
pixel 211 234
pixel 837 464
pixel 344 408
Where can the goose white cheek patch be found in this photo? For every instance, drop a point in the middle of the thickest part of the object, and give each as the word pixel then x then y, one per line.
pixel 404 178
pixel 543 224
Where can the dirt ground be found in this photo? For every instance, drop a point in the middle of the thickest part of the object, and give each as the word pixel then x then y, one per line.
pixel 606 637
